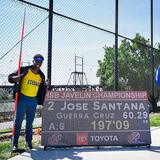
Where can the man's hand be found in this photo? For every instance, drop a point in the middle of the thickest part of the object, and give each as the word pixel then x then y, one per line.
pixel 17 78
pixel 47 83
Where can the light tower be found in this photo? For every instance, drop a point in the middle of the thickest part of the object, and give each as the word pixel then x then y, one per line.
pixel 78 77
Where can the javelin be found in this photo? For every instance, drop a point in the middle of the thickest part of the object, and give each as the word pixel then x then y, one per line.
pixel 19 66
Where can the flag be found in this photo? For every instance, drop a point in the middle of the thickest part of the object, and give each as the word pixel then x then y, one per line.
pixel 157 79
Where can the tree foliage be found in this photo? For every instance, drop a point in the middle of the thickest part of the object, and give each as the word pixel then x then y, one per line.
pixel 134 65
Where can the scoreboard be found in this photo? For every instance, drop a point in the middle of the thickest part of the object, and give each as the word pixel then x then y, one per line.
pixel 95 118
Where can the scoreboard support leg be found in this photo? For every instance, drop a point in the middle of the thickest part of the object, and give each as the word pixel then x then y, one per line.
pixel 149 146
pixel 45 147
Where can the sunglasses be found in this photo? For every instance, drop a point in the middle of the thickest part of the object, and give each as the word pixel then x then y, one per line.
pixel 38 62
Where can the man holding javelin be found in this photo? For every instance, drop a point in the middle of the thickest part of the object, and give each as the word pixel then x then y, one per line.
pixel 31 91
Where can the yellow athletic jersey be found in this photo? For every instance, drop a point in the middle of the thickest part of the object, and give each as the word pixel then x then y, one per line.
pixel 30 84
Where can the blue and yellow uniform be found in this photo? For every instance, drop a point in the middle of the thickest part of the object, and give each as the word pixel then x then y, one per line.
pixel 30 84
pixel 32 91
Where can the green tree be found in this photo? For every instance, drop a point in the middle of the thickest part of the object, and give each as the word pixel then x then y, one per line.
pixel 134 65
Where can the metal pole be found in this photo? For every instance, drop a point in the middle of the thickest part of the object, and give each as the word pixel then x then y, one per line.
pixel 82 71
pixel 50 25
pixel 116 48
pixel 152 54
pixel 75 73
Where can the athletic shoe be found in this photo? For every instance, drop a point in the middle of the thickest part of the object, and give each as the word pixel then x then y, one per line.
pixel 28 146
pixel 15 148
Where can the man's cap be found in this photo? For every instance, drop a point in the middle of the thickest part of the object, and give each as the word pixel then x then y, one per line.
pixel 38 57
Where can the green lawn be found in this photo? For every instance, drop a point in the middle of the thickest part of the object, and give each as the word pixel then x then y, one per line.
pixel 5 147
pixel 5 151
pixel 155 119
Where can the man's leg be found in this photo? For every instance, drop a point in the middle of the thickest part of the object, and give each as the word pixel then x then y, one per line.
pixel 30 114
pixel 21 109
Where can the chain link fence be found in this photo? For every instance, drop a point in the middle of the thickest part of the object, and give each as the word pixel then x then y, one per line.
pixel 83 29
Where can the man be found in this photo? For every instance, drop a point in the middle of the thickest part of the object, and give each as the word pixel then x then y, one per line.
pixel 31 91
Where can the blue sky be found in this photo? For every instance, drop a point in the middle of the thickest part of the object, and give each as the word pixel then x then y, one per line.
pixel 71 38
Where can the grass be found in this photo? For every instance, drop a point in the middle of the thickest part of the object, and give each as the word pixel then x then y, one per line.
pixel 154 119
pixel 5 147
pixel 5 151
